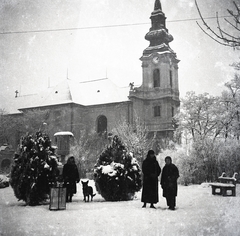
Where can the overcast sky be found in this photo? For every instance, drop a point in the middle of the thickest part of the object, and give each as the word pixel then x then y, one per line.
pixel 35 60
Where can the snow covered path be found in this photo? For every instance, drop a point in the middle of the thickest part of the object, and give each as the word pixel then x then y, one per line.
pixel 198 213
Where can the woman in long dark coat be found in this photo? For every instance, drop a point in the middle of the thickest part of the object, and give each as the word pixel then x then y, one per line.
pixel 151 170
pixel 70 177
pixel 169 178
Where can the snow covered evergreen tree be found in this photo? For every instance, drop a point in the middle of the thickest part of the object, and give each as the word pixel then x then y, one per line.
pixel 117 173
pixel 34 169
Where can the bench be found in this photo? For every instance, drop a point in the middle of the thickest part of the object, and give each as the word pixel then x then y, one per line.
pixel 224 185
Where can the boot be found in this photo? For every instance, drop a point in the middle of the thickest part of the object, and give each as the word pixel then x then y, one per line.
pixel 152 206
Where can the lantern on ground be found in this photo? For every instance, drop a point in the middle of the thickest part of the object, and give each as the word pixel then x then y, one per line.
pixel 57 197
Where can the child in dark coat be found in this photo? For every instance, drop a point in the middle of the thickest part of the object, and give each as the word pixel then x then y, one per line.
pixel 169 178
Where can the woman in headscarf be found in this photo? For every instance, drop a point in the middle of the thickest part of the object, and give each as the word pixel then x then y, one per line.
pixel 151 170
pixel 70 177
pixel 169 178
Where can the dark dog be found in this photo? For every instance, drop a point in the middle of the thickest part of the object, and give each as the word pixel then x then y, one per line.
pixel 87 191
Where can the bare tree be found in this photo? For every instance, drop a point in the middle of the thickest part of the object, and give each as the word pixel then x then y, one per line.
pixel 135 137
pixel 32 121
pixel 205 117
pixel 86 149
pixel 230 37
pixel 232 99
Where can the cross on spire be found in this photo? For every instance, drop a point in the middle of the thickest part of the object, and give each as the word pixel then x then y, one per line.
pixel 16 94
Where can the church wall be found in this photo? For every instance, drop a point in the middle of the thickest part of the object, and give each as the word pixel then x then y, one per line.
pixel 79 123
pixel 144 109
pixel 76 118
pixel 59 119
pixel 139 110
pixel 159 122
pixel 114 112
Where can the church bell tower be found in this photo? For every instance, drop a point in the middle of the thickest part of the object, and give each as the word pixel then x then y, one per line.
pixel 156 101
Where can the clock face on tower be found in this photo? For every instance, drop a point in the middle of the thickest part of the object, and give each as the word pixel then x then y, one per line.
pixel 155 60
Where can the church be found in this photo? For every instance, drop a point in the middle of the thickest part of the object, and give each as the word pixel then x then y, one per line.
pixel 97 105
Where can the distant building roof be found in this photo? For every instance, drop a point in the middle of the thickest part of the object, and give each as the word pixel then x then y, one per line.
pixel 64 133
pixel 95 92
pixel 5 147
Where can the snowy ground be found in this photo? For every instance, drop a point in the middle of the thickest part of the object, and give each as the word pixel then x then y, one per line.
pixel 198 213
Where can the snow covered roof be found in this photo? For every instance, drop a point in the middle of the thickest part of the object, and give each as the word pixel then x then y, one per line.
pixel 4 147
pixel 11 104
pixel 64 133
pixel 95 92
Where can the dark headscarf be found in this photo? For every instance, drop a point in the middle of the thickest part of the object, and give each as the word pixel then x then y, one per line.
pixel 169 158
pixel 71 160
pixel 150 152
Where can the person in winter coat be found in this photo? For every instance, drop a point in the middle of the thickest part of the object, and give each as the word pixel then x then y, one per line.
pixel 151 170
pixel 70 177
pixel 169 178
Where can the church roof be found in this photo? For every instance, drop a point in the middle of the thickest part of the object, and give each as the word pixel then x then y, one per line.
pixel 95 92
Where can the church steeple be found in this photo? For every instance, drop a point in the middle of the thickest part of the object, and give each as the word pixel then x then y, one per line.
pixel 158 34
pixel 157 17
pixel 157 5
pixel 157 99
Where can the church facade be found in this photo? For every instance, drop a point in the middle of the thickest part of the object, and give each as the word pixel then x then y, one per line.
pixel 97 106
pixel 155 102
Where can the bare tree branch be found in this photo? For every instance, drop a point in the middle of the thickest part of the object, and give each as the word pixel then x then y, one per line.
pixel 224 44
pixel 232 26
pixel 223 37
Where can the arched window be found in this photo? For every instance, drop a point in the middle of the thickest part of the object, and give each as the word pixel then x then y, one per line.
pixel 102 124
pixel 156 78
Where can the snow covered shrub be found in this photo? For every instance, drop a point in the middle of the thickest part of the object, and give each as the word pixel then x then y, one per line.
pixel 34 169
pixel 207 159
pixel 4 181
pixel 182 160
pixel 117 173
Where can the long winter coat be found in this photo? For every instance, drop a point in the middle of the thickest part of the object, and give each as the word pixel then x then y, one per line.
pixel 169 178
pixel 151 170
pixel 71 177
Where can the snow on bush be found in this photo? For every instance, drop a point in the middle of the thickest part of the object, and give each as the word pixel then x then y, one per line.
pixel 117 173
pixel 204 161
pixel 4 181
pixel 35 168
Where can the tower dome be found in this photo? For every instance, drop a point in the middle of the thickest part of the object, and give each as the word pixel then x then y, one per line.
pixel 158 34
